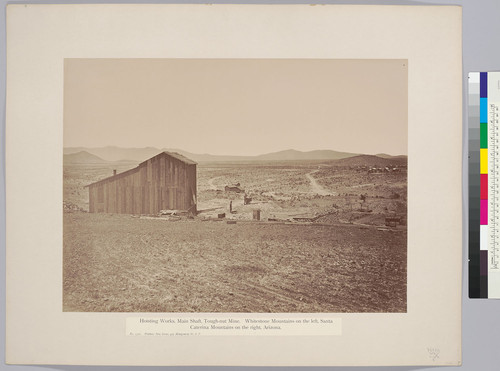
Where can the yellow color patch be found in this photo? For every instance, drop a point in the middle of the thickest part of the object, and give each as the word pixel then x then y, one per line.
pixel 483 160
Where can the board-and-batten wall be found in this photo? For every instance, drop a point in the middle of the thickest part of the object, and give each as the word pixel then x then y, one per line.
pixel 160 183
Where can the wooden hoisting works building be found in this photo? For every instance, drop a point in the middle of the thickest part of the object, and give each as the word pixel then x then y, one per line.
pixel 164 182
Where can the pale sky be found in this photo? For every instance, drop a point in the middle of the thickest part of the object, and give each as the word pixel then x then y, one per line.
pixel 237 106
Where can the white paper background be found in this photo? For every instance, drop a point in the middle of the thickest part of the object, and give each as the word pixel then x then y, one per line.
pixel 38 40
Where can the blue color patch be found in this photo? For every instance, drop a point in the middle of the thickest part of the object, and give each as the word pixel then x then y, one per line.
pixel 483 111
pixel 483 83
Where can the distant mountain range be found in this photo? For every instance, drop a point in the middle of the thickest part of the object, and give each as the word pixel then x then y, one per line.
pixel 114 154
pixel 372 161
pixel 83 157
pixel 292 154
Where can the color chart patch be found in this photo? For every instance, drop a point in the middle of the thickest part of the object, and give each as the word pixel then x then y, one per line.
pixel 484 185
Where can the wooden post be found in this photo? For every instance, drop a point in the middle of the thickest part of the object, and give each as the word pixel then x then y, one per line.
pixel 256 214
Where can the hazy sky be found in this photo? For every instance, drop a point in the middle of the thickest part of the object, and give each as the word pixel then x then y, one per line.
pixel 237 106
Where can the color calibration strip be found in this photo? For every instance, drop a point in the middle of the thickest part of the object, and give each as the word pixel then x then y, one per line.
pixel 484 185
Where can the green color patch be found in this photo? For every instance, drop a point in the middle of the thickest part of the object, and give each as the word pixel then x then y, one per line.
pixel 484 136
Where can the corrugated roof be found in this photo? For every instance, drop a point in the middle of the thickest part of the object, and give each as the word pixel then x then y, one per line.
pixel 175 155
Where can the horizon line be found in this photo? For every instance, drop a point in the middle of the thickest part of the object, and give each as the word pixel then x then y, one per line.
pixel 232 155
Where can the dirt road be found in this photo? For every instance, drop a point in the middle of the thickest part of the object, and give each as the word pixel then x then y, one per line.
pixel 316 188
pixel 211 184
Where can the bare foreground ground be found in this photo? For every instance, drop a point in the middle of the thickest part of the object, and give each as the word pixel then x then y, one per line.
pixel 345 260
pixel 125 264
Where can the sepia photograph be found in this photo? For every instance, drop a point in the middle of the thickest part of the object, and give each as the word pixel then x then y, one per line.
pixel 235 185
pixel 280 180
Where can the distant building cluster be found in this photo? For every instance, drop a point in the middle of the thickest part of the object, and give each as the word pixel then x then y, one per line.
pixel 387 169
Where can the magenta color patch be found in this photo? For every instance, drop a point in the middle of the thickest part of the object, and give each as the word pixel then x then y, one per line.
pixel 484 212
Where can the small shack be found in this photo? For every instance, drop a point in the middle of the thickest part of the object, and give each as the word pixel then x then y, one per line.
pixel 166 181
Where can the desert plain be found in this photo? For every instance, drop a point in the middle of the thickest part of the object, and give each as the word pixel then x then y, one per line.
pixel 314 236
